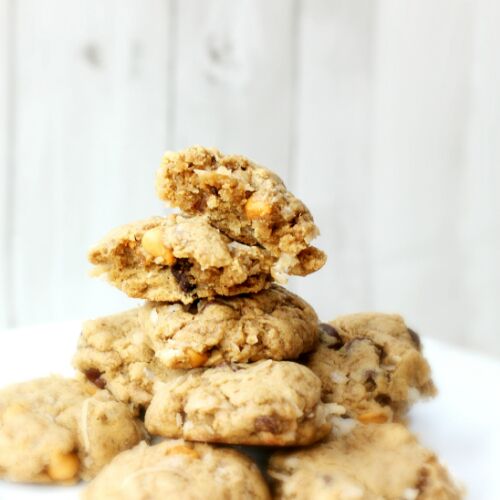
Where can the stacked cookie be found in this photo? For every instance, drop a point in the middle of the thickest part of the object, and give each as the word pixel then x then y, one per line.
pixel 221 354
pixel 209 356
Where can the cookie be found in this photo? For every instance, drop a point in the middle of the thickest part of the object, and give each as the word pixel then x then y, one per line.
pixel 112 354
pixel 272 324
pixel 265 403
pixel 177 258
pixel 372 462
pixel 245 201
pixel 372 365
pixel 58 430
pixel 181 470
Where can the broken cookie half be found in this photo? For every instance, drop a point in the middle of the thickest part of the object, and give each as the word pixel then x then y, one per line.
pixel 179 258
pixel 247 202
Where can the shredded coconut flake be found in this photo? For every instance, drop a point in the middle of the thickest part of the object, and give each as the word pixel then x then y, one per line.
pixel 292 462
pixel 252 339
pixel 84 424
pixel 342 426
pixel 264 364
pixel 175 462
pixel 409 494
pixel 149 374
pixel 278 475
pixel 338 377
pixel 235 245
pixel 352 491
pixel 413 395
pixel 153 316
pixel 334 409
pixel 169 354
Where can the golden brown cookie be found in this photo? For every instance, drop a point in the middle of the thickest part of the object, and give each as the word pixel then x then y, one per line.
pixel 272 324
pixel 112 353
pixel 180 470
pixel 58 430
pixel 247 202
pixel 371 462
pixel 372 365
pixel 269 403
pixel 179 258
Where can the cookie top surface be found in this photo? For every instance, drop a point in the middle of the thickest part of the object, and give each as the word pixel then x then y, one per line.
pixel 181 470
pixel 372 365
pixel 269 403
pixel 179 258
pixel 371 462
pixel 247 202
pixel 58 430
pixel 112 353
pixel 272 324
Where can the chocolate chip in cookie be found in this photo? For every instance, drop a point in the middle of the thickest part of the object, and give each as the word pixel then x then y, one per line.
pixel 94 375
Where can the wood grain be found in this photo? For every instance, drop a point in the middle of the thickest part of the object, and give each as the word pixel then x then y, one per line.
pixel 383 117
pixel 90 128
pixel 424 58
pixel 234 82
pixel 5 169
pixel 480 203
pixel 332 163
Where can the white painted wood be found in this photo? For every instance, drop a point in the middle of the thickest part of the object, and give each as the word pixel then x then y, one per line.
pixel 5 170
pixel 235 78
pixel 420 128
pixel 479 192
pixel 383 116
pixel 91 125
pixel 332 140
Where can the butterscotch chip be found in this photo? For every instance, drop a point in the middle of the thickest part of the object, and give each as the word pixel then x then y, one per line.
pixel 196 359
pixel 269 403
pixel 370 462
pixel 175 469
pixel 247 202
pixel 371 365
pixel 152 243
pixel 180 259
pixel 255 209
pixel 183 450
pixel 63 467
pixel 53 430
pixel 373 417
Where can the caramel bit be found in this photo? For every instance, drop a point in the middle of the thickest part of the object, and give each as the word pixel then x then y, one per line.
pixel 196 359
pixel 373 417
pixel 268 423
pixel 152 243
pixel 63 466
pixel 256 209
pixel 183 450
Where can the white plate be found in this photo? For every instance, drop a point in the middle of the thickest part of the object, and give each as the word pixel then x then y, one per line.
pixel 461 424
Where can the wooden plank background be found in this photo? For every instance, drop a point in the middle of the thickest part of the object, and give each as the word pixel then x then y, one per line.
pixel 5 121
pixel 384 116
